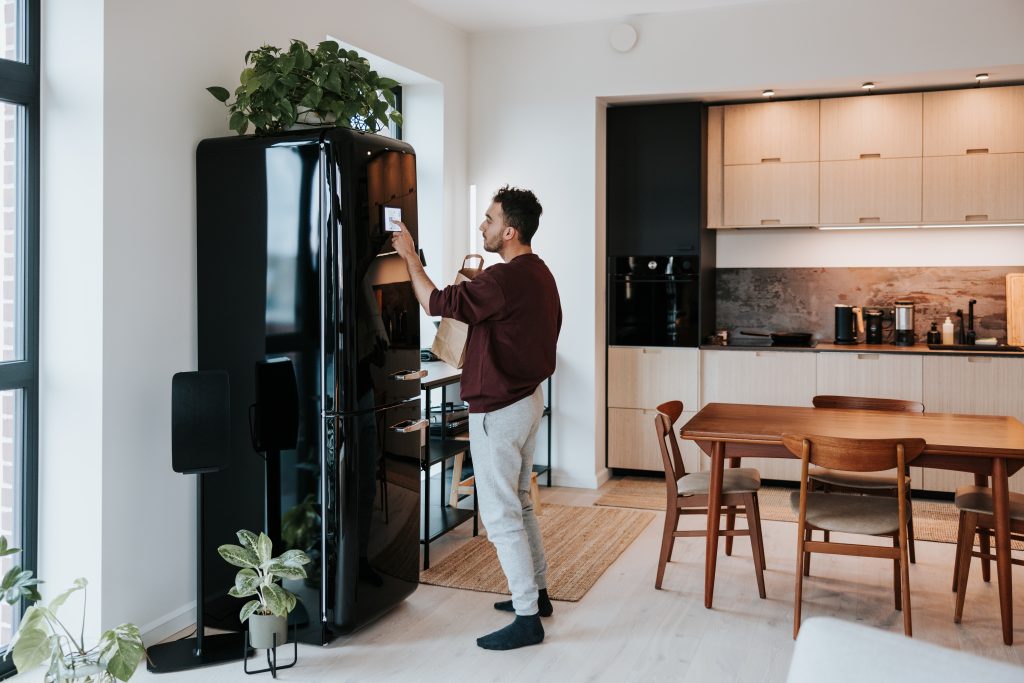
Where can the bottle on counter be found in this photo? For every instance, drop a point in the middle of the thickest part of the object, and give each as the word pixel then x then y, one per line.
pixel 947 331
pixel 934 336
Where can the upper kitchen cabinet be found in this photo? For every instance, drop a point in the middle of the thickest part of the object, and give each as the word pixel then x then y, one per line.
pixel 974 121
pixel 867 191
pixel 979 188
pixel 768 132
pixel 654 187
pixel 770 195
pixel 871 127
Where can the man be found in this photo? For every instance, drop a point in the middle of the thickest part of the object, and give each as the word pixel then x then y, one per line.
pixel 514 317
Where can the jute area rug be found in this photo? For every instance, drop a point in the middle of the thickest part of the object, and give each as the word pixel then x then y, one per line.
pixel 933 520
pixel 580 544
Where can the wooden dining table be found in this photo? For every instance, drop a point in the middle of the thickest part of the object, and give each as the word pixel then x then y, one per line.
pixel 985 445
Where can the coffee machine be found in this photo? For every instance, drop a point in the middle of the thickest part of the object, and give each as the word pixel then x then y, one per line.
pixel 903 327
pixel 846 330
pixel 873 325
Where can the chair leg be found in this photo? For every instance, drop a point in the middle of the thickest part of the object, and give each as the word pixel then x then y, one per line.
pixel 964 548
pixel 905 581
pixel 896 575
pixel 801 556
pixel 959 540
pixel 667 539
pixel 754 527
pixel 809 536
pixel 909 527
pixel 986 572
pixel 730 525
pixel 757 528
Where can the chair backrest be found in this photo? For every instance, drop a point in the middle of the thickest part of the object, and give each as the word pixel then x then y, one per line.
pixel 672 459
pixel 862 403
pixel 853 455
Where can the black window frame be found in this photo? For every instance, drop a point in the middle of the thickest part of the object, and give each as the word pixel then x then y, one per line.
pixel 20 85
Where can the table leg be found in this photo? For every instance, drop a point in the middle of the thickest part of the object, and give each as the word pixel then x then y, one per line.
pixel 986 573
pixel 714 515
pixel 1001 503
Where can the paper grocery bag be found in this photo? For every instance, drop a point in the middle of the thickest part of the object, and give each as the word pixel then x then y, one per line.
pixel 450 342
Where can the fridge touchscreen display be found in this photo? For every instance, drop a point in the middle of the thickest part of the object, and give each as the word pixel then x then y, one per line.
pixel 392 213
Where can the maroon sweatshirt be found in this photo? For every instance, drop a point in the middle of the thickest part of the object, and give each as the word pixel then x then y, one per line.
pixel 514 317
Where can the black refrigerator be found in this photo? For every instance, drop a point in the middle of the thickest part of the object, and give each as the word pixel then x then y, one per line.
pixel 302 300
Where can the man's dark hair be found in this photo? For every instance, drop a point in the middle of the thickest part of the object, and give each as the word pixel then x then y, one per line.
pixel 522 211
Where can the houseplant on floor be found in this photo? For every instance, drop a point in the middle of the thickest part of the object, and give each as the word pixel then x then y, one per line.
pixel 268 612
pixel 42 635
pixel 323 86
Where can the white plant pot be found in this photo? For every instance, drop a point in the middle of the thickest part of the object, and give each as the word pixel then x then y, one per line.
pixel 262 628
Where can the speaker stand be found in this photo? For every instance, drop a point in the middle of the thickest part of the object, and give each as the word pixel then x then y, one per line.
pixel 272 477
pixel 203 650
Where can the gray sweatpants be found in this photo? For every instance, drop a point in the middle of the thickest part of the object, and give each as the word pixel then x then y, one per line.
pixel 502 444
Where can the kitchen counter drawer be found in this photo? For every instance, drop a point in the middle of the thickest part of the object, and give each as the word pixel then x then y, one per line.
pixel 873 375
pixel 644 377
pixel 764 377
pixel 633 441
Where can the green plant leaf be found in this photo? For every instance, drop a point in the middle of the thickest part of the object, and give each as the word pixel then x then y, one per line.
pixel 235 554
pixel 220 93
pixel 4 550
pixel 276 599
pixel 123 649
pixel 294 558
pixel 247 539
pixel 264 547
pixel 333 81
pixel 32 648
pixel 80 584
pixel 248 609
pixel 312 97
pixel 284 571
pixel 246 583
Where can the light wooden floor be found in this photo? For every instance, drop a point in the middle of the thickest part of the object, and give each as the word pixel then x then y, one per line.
pixel 625 630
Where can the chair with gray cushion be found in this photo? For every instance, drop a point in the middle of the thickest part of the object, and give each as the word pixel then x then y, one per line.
pixel 975 505
pixel 687 494
pixel 859 482
pixel 851 513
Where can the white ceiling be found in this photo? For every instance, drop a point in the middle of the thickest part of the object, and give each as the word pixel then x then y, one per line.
pixel 496 15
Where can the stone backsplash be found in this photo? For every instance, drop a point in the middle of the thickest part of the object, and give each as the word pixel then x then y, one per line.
pixel 803 299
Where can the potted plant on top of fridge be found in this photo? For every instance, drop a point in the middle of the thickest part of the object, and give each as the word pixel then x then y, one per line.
pixel 323 86
pixel 260 571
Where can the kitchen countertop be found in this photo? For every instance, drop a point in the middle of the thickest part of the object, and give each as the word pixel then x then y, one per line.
pixel 921 349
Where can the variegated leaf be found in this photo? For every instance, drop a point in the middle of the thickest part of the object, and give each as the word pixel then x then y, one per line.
pixel 294 558
pixel 247 539
pixel 80 584
pixel 264 547
pixel 238 556
pixel 276 599
pixel 32 648
pixel 248 609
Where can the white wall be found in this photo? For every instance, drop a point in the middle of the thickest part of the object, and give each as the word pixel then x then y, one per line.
pixel 534 125
pixel 124 83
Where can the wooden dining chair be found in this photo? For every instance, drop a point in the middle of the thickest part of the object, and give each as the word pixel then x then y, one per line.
pixel 976 505
pixel 851 513
pixel 866 483
pixel 687 494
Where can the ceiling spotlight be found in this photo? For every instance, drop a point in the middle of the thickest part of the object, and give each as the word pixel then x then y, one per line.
pixel 768 93
pixel 981 77
pixel 869 86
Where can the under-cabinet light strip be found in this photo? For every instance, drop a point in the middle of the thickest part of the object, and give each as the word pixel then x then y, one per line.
pixel 875 226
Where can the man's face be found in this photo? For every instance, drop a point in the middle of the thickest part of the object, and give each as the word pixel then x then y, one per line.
pixel 494 229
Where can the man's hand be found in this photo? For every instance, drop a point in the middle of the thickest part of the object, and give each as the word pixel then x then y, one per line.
pixel 402 241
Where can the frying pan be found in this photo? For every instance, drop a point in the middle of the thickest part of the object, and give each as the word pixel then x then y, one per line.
pixel 783 338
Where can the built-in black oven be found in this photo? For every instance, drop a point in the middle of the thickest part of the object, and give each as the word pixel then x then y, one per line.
pixel 653 301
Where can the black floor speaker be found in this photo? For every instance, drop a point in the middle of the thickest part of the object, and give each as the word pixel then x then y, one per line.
pixel 200 421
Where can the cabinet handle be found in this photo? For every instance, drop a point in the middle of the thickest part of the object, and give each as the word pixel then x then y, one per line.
pixel 646 350
pixel 771 160
pixel 978 150
pixel 976 217
pixel 867 356
pixel 408 375
pixel 870 156
pixel 407 426
pixel 870 219
pixel 979 359
pixel 760 353
pixel 770 221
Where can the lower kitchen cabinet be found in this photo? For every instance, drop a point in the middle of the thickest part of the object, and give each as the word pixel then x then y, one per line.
pixel 645 377
pixel 874 375
pixel 981 385
pixel 633 442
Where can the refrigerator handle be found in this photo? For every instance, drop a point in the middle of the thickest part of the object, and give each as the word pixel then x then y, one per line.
pixel 407 426
pixel 408 375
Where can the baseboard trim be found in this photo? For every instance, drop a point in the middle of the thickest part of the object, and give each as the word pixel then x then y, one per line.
pixel 164 627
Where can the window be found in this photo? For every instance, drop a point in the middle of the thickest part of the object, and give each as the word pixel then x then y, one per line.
pixel 19 290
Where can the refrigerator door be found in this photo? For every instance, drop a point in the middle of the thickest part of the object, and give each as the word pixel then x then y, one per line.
pixel 372 373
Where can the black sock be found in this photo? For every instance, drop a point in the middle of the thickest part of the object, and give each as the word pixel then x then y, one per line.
pixel 520 633
pixel 543 604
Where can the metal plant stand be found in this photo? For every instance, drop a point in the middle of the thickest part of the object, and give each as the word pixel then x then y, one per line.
pixel 273 666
